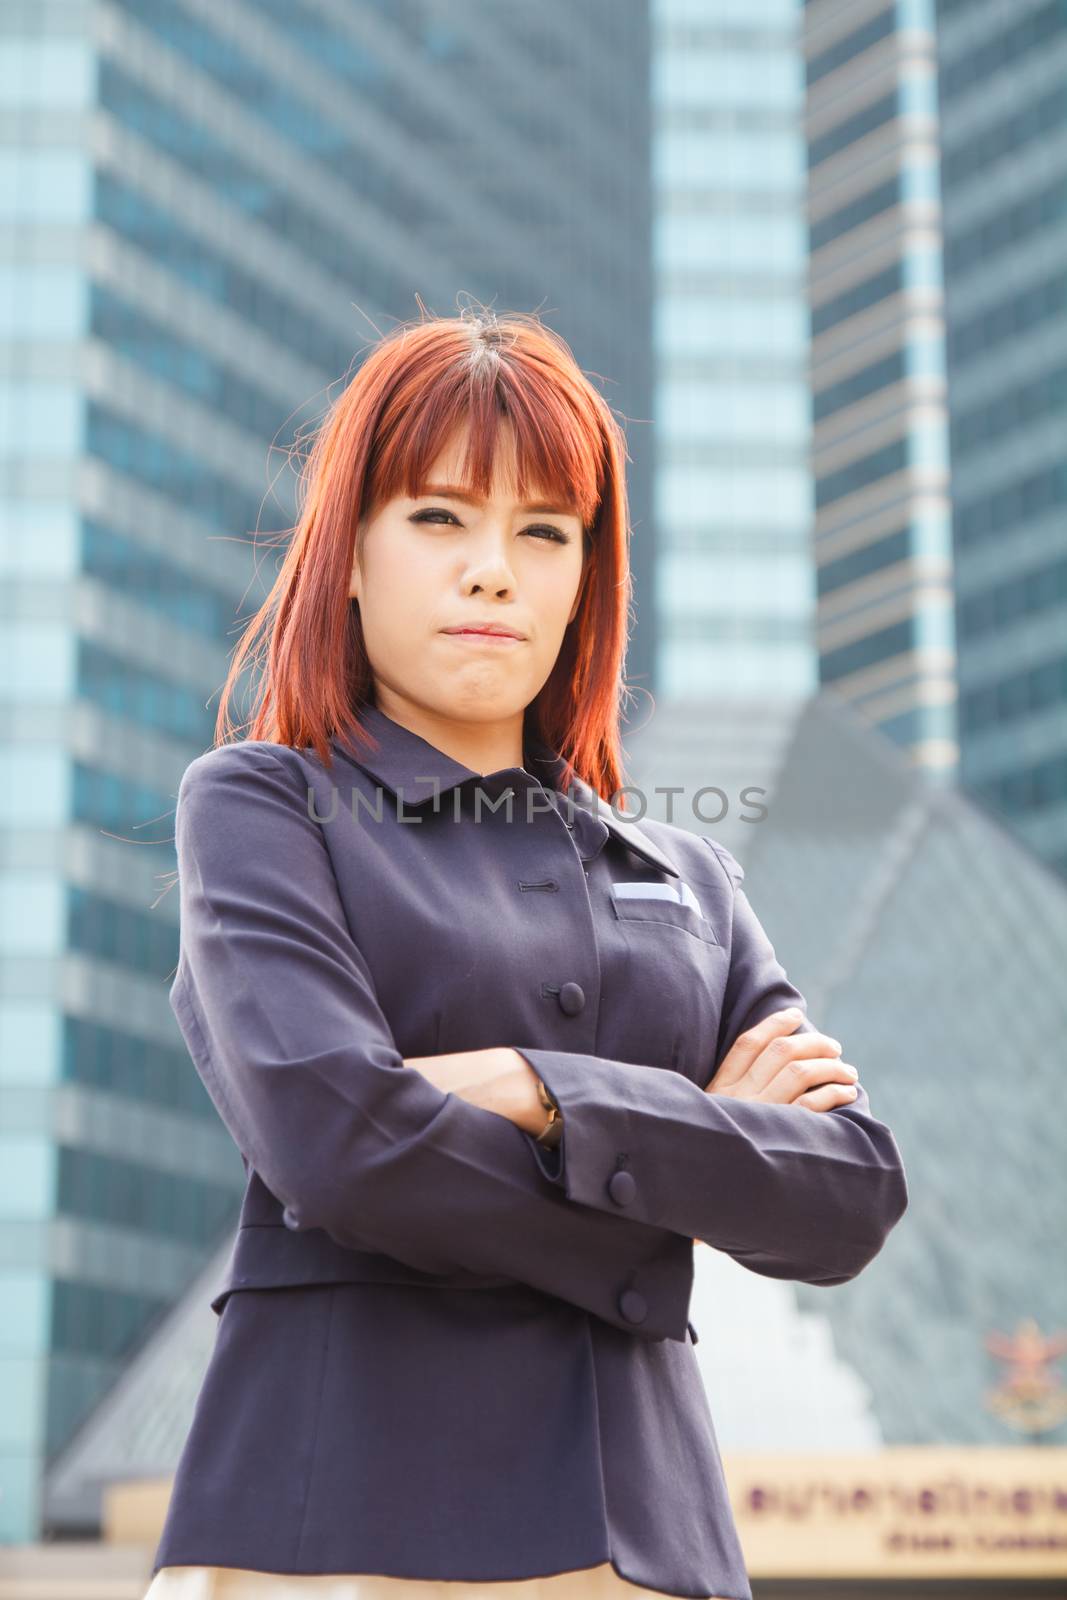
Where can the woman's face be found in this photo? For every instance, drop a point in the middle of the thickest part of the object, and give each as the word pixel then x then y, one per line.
pixel 440 562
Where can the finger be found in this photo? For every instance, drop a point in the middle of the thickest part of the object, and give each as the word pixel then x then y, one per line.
pixel 748 1046
pixel 828 1096
pixel 797 1076
pixel 796 1079
pixel 775 1072
pixel 804 1075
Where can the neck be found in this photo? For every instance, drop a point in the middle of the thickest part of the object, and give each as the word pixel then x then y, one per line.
pixel 484 747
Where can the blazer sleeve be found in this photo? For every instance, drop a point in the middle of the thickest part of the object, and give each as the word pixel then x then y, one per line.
pixel 790 1193
pixel 278 1009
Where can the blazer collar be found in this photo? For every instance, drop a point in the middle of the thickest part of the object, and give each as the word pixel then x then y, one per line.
pixel 410 767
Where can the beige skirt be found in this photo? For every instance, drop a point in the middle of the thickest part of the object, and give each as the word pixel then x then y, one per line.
pixel 232 1583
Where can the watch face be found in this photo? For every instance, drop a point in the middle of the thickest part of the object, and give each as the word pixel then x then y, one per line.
pixel 553 1133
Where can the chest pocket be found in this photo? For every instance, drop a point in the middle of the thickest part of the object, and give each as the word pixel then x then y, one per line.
pixel 659 904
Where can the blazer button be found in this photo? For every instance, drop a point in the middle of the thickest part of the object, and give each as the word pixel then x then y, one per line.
pixel 571 999
pixel 633 1305
pixel 622 1188
pixel 290 1219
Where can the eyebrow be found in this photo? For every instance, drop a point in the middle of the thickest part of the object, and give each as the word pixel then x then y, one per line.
pixel 449 491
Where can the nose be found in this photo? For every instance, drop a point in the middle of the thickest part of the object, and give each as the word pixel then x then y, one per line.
pixel 488 568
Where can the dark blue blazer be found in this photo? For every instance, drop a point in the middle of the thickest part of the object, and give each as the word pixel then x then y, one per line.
pixel 443 1351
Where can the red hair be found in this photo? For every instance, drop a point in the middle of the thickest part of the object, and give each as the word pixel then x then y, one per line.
pixel 418 385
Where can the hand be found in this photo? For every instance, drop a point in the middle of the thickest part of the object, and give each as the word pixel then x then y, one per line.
pixel 498 1079
pixel 770 1063
pixel 766 1063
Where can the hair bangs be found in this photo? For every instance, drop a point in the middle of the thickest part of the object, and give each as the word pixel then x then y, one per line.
pixel 511 408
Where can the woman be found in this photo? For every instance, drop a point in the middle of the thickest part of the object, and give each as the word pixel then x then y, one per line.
pixel 495 1056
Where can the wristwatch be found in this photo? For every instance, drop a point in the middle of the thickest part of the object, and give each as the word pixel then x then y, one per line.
pixel 552 1132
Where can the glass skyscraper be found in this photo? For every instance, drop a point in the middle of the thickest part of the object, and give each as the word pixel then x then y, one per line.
pixel 1003 103
pixel 735 592
pixel 883 547
pixel 207 213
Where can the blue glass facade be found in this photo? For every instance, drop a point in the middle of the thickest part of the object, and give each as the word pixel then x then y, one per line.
pixel 734 505
pixel 879 395
pixel 1003 106
pixel 208 218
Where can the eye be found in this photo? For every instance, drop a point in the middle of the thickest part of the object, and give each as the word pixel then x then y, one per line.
pixel 543 531
pixel 434 511
pixel 552 535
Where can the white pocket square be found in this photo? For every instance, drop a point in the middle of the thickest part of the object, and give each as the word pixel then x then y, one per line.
pixel 679 893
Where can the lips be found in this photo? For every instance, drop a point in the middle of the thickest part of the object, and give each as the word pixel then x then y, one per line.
pixel 492 630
